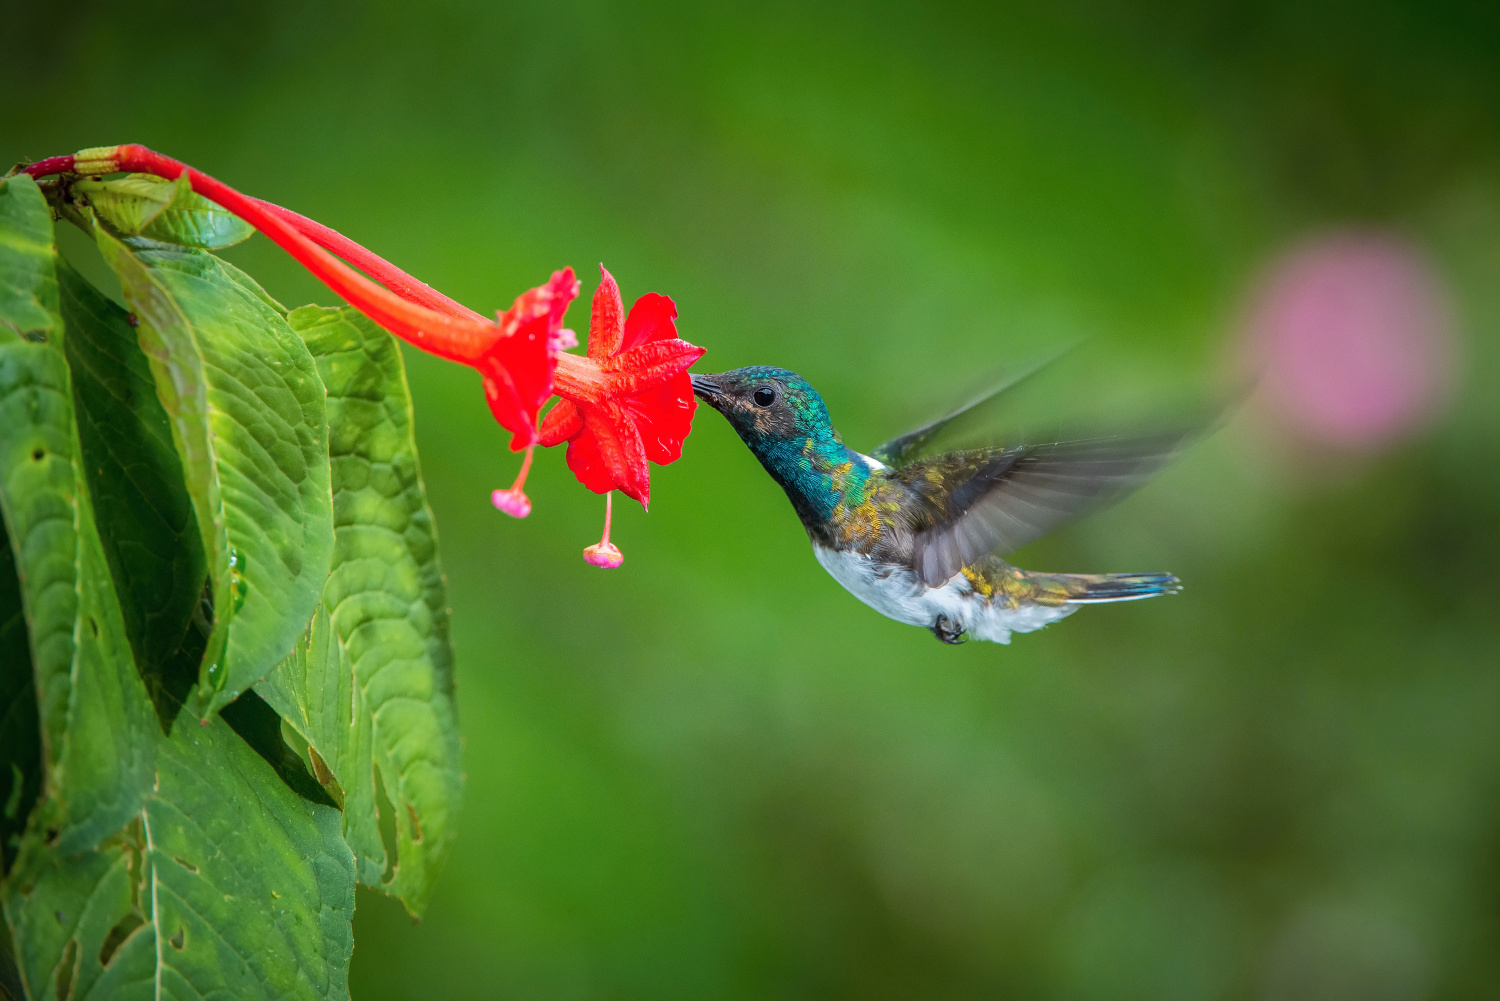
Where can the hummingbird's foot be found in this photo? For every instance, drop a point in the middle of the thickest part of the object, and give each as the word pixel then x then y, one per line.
pixel 947 630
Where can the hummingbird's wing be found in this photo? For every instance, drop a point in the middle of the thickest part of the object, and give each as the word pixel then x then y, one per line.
pixel 973 419
pixel 965 505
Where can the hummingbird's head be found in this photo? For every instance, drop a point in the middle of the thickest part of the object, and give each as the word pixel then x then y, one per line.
pixel 784 422
pixel 774 410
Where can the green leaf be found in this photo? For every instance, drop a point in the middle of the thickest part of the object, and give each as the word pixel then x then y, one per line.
pixel 146 522
pixel 28 283
pixel 158 209
pixel 248 421
pixel 229 885
pixel 96 725
pixel 386 602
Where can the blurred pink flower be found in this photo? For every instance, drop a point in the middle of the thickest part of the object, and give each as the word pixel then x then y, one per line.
pixel 1350 336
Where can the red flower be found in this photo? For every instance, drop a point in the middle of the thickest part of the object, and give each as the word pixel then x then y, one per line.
pixel 629 400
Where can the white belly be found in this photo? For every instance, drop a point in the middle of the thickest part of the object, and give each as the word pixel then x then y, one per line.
pixel 899 594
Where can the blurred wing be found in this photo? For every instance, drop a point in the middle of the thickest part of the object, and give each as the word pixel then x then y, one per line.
pixel 971 420
pixel 970 504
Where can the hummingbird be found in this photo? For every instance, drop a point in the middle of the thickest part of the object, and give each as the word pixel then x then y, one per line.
pixel 921 538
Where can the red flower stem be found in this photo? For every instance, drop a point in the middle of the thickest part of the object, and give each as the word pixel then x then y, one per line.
pixel 458 337
pixel 609 507
pixel 372 264
pixel 525 468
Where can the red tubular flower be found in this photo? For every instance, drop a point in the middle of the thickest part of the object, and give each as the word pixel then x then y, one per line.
pixel 515 355
pixel 630 400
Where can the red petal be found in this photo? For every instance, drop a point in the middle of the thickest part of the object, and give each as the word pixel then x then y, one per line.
pixel 649 365
pixel 664 416
pixel 561 423
pixel 584 460
pixel 518 378
pixel 652 318
pixel 504 404
pixel 606 322
pixel 620 453
pixel 518 367
pixel 561 289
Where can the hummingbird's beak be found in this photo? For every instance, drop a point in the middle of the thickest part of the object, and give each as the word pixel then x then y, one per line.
pixel 705 388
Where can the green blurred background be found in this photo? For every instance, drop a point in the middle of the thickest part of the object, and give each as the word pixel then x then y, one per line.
pixel 712 773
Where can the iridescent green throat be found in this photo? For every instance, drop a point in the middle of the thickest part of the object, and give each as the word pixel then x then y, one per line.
pixel 818 472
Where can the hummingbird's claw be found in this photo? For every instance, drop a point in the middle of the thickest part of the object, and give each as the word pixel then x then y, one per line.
pixel 948 631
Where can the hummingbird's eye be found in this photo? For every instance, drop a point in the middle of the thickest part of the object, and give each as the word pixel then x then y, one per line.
pixel 764 396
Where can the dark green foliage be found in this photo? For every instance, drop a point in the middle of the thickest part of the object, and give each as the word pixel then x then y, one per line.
pixel 167 534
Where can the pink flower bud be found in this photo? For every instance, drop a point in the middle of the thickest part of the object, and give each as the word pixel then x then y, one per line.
pixel 603 554
pixel 513 502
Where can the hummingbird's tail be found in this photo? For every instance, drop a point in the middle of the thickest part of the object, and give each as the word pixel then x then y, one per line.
pixel 1088 588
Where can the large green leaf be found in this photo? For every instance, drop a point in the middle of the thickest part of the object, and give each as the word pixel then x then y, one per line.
pixel 97 731
pixel 170 211
pixel 146 522
pixel 248 420
pixel 230 885
pixel 385 598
